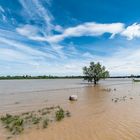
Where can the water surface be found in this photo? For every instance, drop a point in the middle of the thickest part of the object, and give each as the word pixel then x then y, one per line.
pixel 95 116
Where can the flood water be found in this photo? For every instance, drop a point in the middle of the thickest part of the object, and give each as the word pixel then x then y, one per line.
pixel 95 116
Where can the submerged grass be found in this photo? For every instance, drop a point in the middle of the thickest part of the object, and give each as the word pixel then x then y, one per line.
pixel 134 80
pixel 16 124
pixel 60 114
pixel 36 120
pixel 13 123
pixel 45 123
pixel 68 114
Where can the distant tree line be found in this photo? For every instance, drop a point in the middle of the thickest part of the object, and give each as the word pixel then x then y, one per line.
pixel 39 77
pixel 134 76
pixel 56 77
pixel 8 77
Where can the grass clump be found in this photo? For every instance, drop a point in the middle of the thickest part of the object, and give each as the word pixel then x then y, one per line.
pixel 60 114
pixel 44 113
pixel 68 114
pixel 35 120
pixel 45 123
pixel 13 123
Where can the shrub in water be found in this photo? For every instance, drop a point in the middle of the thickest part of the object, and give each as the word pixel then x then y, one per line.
pixel 60 114
pixel 45 123
pixel 35 120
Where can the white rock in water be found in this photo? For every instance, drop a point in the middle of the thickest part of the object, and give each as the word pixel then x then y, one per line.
pixel 73 97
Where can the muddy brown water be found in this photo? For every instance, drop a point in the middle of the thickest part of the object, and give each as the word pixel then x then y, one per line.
pixel 95 116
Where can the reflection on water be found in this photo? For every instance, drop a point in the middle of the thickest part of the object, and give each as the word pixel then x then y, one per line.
pixel 95 116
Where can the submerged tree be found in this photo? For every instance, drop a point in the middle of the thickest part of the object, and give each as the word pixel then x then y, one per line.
pixel 95 72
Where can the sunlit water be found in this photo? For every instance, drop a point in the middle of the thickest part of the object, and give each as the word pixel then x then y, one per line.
pixel 95 116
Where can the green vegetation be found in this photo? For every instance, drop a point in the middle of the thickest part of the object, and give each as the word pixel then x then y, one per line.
pixel 95 72
pixel 38 77
pixel 35 119
pixel 136 80
pixel 16 124
pixel 106 89
pixel 13 123
pixel 45 123
pixel 68 114
pixel 8 77
pixel 60 114
pixel 123 98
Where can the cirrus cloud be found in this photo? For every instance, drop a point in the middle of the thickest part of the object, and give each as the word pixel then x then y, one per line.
pixel 85 29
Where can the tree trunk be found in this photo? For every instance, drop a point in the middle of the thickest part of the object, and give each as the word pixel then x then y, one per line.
pixel 95 82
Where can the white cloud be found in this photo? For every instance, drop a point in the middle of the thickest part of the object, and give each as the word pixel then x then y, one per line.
pixel 2 14
pixel 132 31
pixel 12 38
pixel 114 62
pixel 87 55
pixel 122 62
pixel 88 29
pixel 4 18
pixel 26 49
pixel 27 30
pixel 33 9
pixel 58 28
pixel 44 13
pixel 12 55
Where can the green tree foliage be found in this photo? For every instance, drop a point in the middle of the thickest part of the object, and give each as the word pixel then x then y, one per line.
pixel 95 72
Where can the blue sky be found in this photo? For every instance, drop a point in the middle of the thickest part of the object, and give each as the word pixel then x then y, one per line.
pixel 59 37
